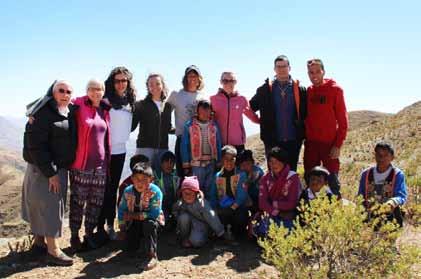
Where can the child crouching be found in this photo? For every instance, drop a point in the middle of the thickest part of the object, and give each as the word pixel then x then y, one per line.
pixel 140 213
pixel 194 215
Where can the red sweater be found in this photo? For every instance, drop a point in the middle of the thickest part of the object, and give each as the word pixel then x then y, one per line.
pixel 327 118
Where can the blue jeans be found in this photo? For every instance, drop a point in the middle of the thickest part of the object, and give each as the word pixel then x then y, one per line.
pixel 206 176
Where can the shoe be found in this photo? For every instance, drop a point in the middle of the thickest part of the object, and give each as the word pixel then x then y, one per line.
pixel 38 250
pixel 59 260
pixel 149 263
pixel 75 243
pixel 112 235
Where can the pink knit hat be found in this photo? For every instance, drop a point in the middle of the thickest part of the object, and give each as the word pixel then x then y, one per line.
pixel 190 183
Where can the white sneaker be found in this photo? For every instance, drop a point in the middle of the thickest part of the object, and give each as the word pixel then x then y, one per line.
pixel 112 235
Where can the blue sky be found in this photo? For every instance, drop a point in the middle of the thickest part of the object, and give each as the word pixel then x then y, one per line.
pixel 371 48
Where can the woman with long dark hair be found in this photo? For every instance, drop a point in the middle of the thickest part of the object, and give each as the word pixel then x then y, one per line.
pixel 120 94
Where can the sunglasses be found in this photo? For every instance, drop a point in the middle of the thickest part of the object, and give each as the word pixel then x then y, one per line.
pixel 120 81
pixel 62 91
pixel 228 81
pixel 314 61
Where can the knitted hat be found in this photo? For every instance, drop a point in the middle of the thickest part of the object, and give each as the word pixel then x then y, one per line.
pixel 190 183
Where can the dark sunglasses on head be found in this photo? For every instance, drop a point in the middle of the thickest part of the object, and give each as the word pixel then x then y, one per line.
pixel 121 80
pixel 228 80
pixel 62 91
pixel 314 61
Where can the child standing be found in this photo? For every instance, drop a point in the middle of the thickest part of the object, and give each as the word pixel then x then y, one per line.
pixel 139 213
pixel 201 146
pixel 195 215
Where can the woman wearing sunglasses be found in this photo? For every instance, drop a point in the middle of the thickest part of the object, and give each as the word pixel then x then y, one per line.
pixel 229 107
pixel 120 94
pixel 88 174
pixel 49 149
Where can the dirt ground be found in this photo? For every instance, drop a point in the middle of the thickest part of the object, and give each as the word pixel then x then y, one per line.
pixel 215 260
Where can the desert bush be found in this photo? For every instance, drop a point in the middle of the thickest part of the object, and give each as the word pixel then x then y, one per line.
pixel 337 241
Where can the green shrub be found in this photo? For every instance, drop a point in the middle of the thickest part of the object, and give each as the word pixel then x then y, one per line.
pixel 338 242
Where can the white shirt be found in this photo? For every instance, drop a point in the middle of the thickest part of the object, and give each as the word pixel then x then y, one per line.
pixel 121 125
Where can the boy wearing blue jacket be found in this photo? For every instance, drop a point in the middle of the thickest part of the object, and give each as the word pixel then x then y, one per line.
pixel 228 194
pixel 384 183
pixel 140 213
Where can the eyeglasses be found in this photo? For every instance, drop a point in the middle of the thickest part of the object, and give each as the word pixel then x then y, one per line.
pixel 95 88
pixel 229 81
pixel 62 91
pixel 120 81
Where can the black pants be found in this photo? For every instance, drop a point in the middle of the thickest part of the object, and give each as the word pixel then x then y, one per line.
pixel 147 229
pixel 178 160
pixel 108 210
pixel 292 147
pixel 236 218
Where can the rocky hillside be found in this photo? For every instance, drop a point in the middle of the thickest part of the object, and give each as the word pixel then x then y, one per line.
pixel 402 129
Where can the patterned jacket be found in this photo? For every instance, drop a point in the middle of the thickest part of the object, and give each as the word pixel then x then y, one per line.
pixel 148 203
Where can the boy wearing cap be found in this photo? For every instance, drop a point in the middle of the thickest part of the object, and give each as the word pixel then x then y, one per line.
pixel 201 146
pixel 326 124
pixel 246 163
pixel 195 216
pixel 318 180
pixel 168 182
pixel 228 194
pixel 140 213
pixel 183 102
pixel 384 183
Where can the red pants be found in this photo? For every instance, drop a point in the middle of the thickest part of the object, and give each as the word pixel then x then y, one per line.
pixel 317 154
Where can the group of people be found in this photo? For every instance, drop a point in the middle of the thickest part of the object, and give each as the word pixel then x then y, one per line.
pixel 215 186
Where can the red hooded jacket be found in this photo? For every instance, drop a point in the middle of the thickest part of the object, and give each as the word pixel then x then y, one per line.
pixel 327 118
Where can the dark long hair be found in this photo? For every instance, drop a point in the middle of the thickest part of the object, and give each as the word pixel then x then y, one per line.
pixel 110 92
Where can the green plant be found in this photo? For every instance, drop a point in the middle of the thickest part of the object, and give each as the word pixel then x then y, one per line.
pixel 337 241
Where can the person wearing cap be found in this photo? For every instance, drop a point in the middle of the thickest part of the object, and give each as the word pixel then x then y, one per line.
pixel 49 146
pixel 245 162
pixel 326 123
pixel 229 107
pixel 279 191
pixel 282 107
pixel 140 214
pixel 201 146
pixel 88 174
pixel 168 181
pixel 184 102
pixel 195 217
pixel 229 194
pixel 384 184
pixel 317 181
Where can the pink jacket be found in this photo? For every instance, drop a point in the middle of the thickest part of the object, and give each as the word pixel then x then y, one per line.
pixel 83 113
pixel 288 191
pixel 229 116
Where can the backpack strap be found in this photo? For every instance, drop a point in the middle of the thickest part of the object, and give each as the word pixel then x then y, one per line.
pixel 296 89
